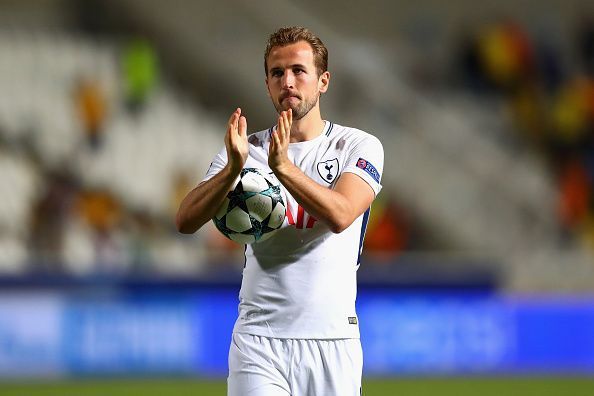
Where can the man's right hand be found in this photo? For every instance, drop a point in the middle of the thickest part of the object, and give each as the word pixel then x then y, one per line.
pixel 201 204
pixel 236 142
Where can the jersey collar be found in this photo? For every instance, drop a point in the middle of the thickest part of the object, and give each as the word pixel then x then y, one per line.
pixel 328 126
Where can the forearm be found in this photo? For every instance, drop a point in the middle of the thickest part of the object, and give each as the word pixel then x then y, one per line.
pixel 326 205
pixel 202 203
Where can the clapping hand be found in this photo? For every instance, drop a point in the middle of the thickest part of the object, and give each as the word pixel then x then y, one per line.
pixel 236 141
pixel 279 142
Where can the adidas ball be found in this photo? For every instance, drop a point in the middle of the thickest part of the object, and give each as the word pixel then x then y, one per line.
pixel 253 210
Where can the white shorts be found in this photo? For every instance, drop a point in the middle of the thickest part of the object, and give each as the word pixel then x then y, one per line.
pixel 263 366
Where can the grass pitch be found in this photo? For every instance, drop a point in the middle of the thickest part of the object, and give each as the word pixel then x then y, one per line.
pixel 540 386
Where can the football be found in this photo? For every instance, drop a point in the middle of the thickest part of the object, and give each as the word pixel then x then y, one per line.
pixel 253 210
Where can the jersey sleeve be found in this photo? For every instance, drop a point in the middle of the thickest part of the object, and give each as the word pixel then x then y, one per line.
pixel 217 164
pixel 366 159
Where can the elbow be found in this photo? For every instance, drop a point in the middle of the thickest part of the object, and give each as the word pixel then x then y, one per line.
pixel 182 225
pixel 336 229
pixel 338 225
pixel 184 230
pixel 339 221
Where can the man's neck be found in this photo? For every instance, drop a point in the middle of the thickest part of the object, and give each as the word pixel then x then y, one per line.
pixel 309 127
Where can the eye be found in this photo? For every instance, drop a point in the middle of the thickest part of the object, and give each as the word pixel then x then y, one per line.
pixel 276 73
pixel 298 71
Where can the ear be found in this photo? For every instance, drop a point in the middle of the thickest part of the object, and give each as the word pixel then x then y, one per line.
pixel 323 81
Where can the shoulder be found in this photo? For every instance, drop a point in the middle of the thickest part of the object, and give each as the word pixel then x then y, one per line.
pixel 352 135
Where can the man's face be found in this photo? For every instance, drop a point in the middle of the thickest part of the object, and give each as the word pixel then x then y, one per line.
pixel 292 79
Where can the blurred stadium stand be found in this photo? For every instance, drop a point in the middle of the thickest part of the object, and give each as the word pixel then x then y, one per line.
pixel 110 111
pixel 460 182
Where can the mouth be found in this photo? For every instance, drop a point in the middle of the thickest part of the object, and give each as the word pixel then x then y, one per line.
pixel 290 97
pixel 290 101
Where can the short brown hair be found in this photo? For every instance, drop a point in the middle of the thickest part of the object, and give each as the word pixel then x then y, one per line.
pixel 291 35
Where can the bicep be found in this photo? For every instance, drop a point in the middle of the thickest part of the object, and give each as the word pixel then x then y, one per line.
pixel 356 191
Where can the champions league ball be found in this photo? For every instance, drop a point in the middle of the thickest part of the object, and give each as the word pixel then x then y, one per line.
pixel 253 210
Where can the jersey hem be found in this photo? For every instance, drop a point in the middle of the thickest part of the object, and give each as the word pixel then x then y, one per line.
pixel 260 334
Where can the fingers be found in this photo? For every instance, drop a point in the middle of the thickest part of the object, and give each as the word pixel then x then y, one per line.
pixel 232 124
pixel 242 126
pixel 237 125
pixel 234 114
pixel 236 130
pixel 284 125
pixel 236 140
pixel 287 121
pixel 278 136
pixel 275 141
pixel 280 130
pixel 279 141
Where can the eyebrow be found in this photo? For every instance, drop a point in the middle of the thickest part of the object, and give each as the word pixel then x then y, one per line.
pixel 299 65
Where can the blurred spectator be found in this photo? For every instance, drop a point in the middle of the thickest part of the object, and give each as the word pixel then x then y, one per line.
pixel 103 212
pixel 51 213
pixel 388 231
pixel 573 120
pixel 141 73
pixel 48 222
pixel 554 113
pixel 528 108
pixel 91 105
pixel 469 64
pixel 550 66
pixel 100 209
pixel 507 55
pixel 585 44
pixel 575 193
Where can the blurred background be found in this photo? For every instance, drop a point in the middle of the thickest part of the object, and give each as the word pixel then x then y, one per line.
pixel 479 254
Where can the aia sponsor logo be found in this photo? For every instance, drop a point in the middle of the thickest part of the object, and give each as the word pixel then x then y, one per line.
pixel 299 218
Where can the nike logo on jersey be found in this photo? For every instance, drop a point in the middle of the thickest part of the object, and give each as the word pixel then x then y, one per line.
pixel 328 170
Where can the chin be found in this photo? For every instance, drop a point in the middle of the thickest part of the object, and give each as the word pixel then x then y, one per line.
pixel 283 107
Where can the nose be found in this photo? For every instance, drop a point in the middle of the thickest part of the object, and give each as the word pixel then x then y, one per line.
pixel 288 80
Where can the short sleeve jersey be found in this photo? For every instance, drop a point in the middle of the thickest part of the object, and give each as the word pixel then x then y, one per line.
pixel 301 282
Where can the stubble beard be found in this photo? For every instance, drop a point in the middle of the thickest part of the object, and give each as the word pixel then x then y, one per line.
pixel 302 109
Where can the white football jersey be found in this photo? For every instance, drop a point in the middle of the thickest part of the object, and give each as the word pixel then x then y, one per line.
pixel 301 282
